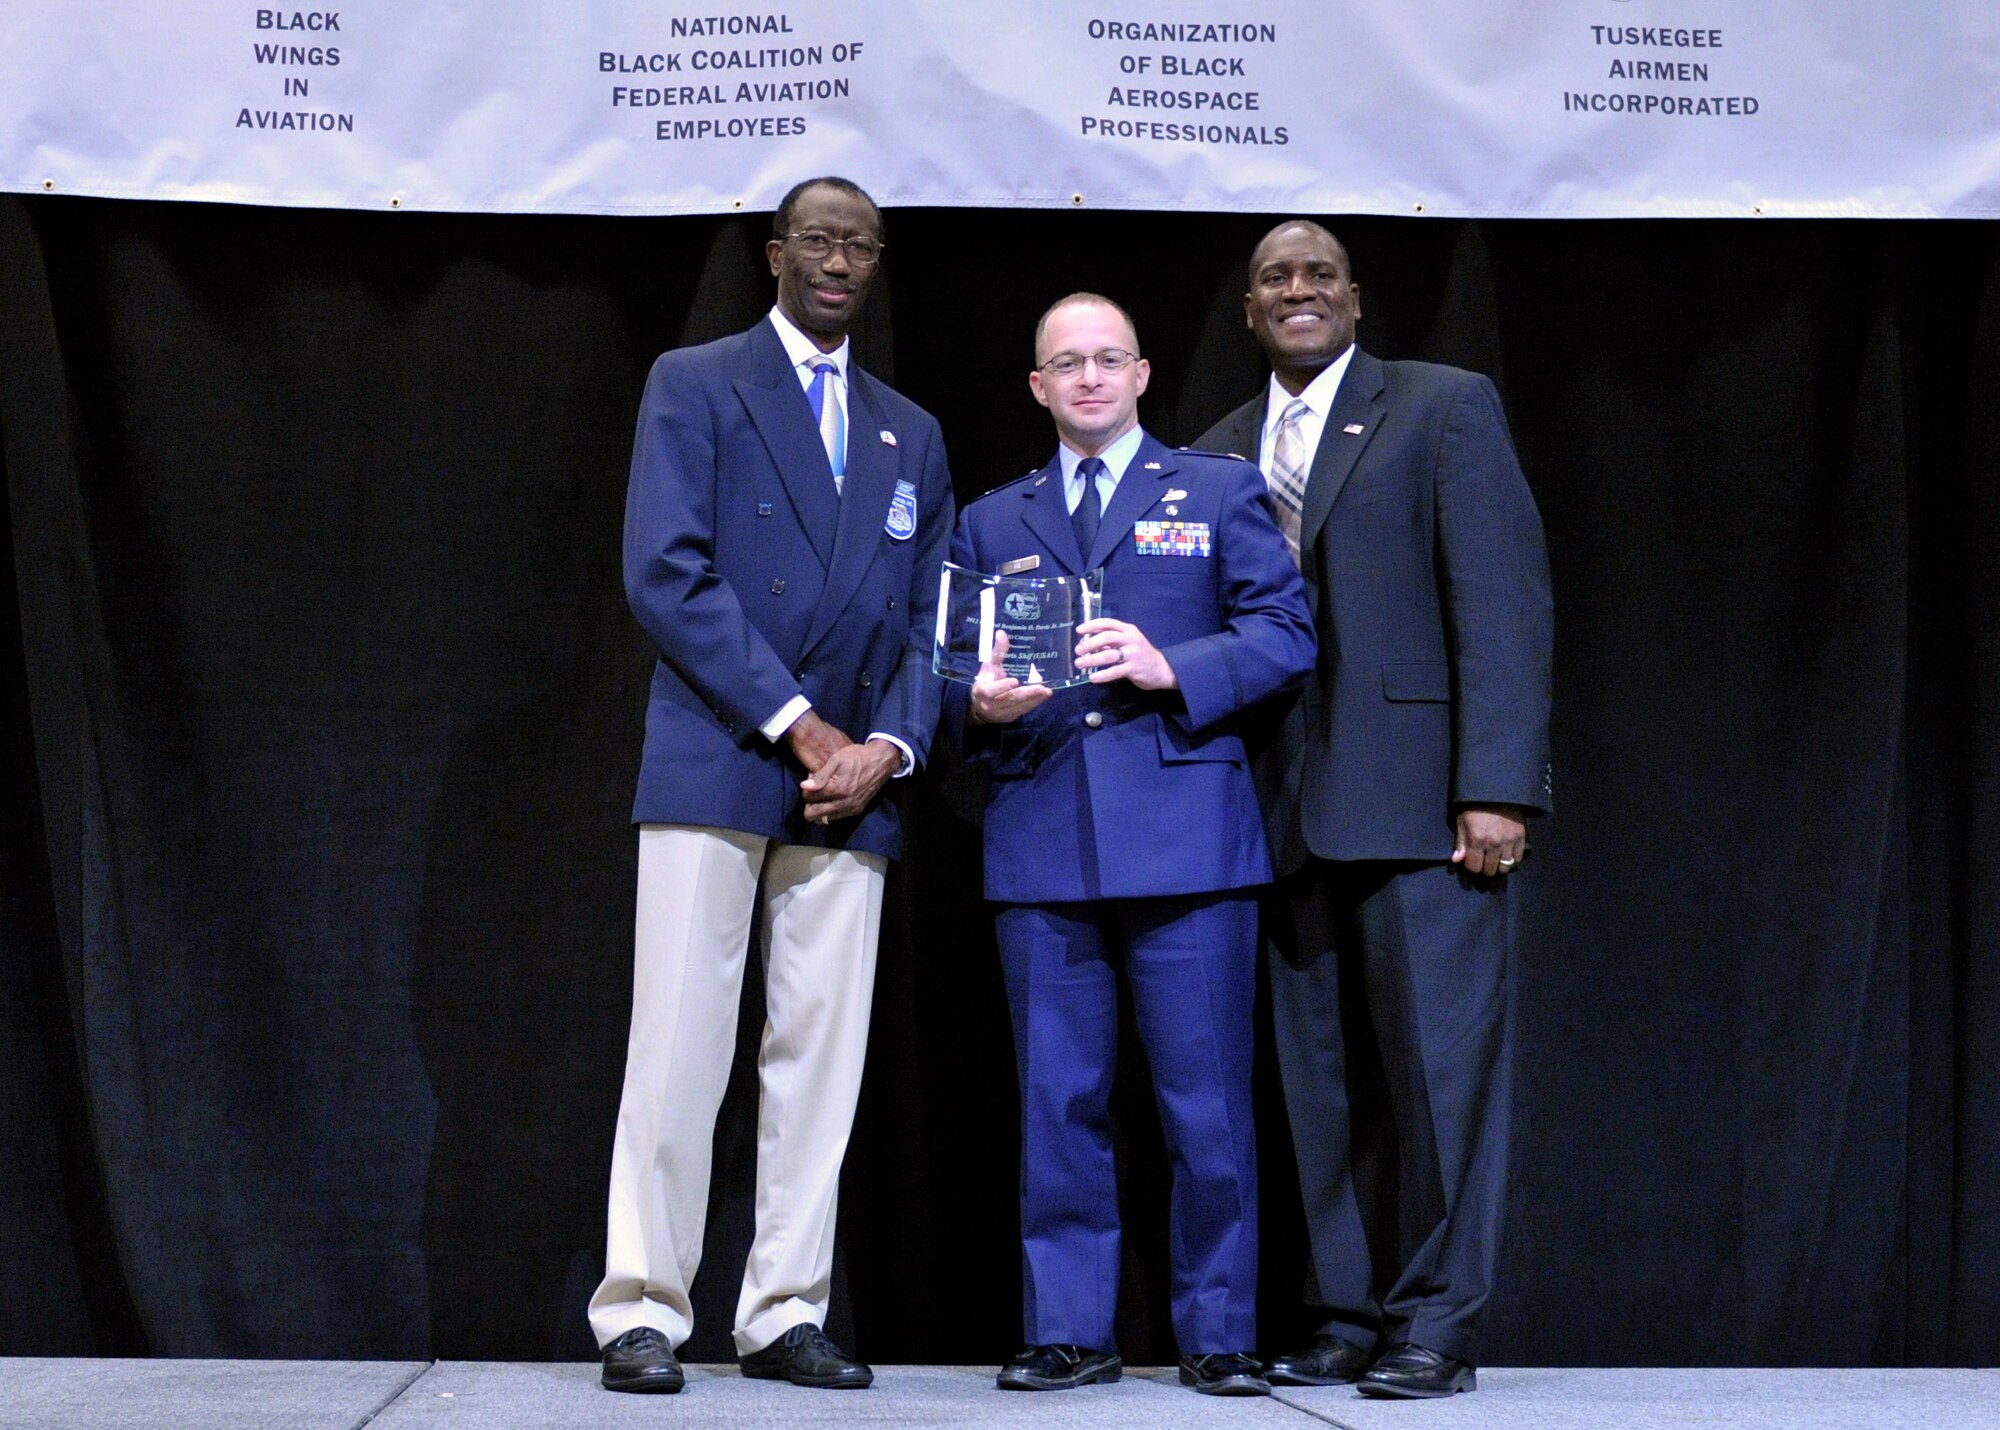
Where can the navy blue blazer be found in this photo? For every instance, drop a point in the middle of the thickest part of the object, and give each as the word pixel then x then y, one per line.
pixel 1155 798
pixel 757 583
pixel 1428 579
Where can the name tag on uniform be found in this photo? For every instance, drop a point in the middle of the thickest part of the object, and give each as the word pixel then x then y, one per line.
pixel 1170 538
pixel 902 522
pixel 1020 564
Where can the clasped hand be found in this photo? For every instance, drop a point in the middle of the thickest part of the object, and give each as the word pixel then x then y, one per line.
pixel 842 778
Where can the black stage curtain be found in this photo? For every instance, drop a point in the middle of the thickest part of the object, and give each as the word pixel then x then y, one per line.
pixel 322 710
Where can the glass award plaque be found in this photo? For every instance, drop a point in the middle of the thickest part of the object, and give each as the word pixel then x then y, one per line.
pixel 1040 615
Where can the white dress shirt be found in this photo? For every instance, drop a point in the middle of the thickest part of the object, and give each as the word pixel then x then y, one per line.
pixel 1117 457
pixel 803 351
pixel 1318 398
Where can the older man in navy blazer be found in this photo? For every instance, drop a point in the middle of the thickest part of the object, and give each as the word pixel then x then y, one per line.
pixel 1122 835
pixel 1399 792
pixel 783 529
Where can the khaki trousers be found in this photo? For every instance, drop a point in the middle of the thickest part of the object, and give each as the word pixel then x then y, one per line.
pixel 822 912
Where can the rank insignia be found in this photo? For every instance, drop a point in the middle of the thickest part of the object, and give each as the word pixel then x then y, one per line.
pixel 1170 538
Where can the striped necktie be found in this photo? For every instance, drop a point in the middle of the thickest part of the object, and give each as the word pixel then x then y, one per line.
pixel 1288 473
pixel 824 394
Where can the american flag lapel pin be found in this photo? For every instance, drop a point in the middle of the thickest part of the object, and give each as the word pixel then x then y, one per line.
pixel 1352 429
pixel 888 438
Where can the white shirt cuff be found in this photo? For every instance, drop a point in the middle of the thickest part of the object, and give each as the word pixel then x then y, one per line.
pixel 909 759
pixel 788 714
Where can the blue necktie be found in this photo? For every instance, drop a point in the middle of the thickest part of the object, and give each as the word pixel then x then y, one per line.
pixel 1089 507
pixel 826 412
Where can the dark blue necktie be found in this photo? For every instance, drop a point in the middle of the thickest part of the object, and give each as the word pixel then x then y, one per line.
pixel 1089 507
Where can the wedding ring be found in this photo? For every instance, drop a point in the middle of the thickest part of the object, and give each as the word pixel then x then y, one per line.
pixel 1507 863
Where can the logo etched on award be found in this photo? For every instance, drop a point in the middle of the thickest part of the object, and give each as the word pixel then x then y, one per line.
pixel 1040 615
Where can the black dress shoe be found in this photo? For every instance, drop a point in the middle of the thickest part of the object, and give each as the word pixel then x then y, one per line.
pixel 1324 1360
pixel 642 1360
pixel 1059 1368
pixel 1410 1372
pixel 804 1356
pixel 1229 1374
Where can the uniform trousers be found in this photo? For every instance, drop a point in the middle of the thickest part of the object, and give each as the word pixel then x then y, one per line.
pixel 1191 965
pixel 821 909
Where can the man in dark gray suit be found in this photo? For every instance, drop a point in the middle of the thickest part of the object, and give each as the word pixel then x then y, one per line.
pixel 1398 792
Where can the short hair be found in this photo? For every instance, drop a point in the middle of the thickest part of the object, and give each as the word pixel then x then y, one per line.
pixel 1077 300
pixel 781 221
pixel 1305 223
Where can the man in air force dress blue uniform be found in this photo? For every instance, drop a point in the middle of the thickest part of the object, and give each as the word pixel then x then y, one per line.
pixel 1122 835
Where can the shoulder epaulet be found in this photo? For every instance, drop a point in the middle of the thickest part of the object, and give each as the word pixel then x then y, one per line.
pixel 1204 452
pixel 1009 486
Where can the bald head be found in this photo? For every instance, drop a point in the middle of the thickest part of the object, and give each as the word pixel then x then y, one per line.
pixel 1306 228
pixel 1075 300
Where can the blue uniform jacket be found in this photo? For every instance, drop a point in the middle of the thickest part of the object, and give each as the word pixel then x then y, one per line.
pixel 1155 797
pixel 758 583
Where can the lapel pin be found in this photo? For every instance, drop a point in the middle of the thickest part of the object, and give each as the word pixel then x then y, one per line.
pixel 1354 429
pixel 888 438
pixel 1175 495
pixel 1043 478
pixel 1173 511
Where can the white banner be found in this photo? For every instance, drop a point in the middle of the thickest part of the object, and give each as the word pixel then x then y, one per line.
pixel 1576 108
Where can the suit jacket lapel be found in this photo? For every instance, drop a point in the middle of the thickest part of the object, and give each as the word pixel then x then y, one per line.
pixel 1137 490
pixel 1359 403
pixel 777 404
pixel 1045 509
pixel 865 491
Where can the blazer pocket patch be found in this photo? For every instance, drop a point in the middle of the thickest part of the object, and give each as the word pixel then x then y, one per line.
pixel 902 522
pixel 1416 680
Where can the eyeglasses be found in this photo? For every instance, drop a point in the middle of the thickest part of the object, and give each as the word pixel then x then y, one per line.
pixel 861 252
pixel 1111 360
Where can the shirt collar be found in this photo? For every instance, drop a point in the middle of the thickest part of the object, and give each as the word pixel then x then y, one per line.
pixel 801 349
pixel 1318 394
pixel 1117 457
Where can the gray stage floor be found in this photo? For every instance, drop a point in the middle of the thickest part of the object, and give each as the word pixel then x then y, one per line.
pixel 481 1395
